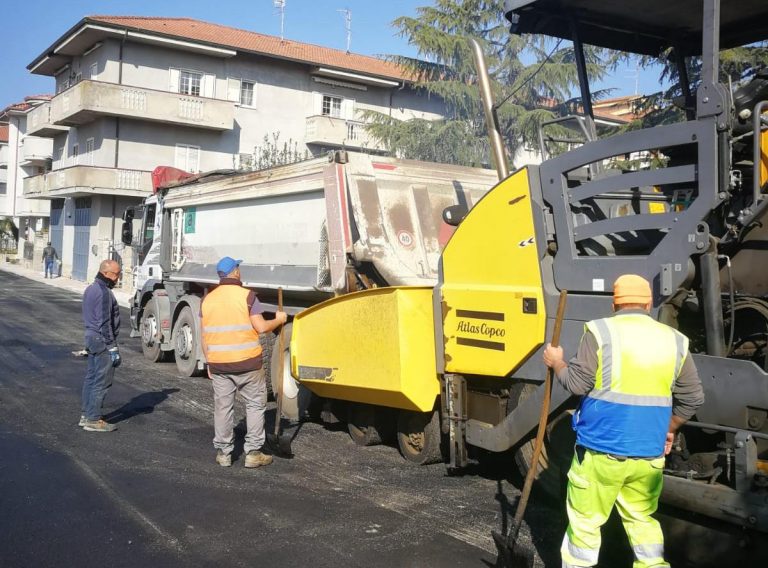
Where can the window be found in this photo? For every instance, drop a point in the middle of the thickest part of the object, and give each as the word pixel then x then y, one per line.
pixel 188 157
pixel 189 83
pixel 149 224
pixel 331 106
pixel 89 147
pixel 75 154
pixel 246 93
pixel 94 71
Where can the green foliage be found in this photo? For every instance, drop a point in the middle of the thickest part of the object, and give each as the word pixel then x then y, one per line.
pixel 737 67
pixel 531 71
pixel 274 153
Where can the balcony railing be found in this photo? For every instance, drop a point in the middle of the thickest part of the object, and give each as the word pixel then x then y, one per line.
pixel 39 122
pixel 88 180
pixel 35 151
pixel 4 156
pixel 3 176
pixel 88 100
pixel 331 131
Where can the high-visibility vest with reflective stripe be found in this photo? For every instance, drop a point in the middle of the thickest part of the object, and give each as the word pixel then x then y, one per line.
pixel 627 412
pixel 227 330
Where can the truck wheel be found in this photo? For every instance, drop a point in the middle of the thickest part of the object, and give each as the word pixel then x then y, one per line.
pixel 150 334
pixel 185 342
pixel 418 437
pixel 556 454
pixel 362 425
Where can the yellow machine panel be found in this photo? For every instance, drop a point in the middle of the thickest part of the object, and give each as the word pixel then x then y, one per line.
pixel 375 347
pixel 764 158
pixel 492 300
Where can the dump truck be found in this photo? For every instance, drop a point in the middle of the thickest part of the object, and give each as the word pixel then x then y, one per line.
pixel 317 228
pixel 455 370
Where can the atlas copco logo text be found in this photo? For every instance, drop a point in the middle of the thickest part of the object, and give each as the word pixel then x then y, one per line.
pixel 482 329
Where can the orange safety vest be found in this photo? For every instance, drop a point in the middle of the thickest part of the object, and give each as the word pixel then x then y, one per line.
pixel 232 345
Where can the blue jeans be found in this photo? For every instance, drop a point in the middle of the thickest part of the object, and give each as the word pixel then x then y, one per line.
pixel 98 378
pixel 49 267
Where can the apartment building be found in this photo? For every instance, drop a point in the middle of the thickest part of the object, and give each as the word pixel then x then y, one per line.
pixel 23 156
pixel 134 93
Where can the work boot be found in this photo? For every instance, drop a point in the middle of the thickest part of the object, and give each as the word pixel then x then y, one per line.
pixel 256 459
pixel 99 425
pixel 224 460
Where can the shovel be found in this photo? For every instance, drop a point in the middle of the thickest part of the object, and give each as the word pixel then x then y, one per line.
pixel 279 441
pixel 512 553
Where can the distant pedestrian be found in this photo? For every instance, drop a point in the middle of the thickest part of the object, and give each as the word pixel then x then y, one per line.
pixel 639 385
pixel 49 260
pixel 232 322
pixel 101 316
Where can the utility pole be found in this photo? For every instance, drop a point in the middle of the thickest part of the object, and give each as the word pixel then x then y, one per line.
pixel 347 13
pixel 280 5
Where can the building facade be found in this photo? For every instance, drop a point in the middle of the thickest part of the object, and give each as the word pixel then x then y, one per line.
pixel 23 156
pixel 134 93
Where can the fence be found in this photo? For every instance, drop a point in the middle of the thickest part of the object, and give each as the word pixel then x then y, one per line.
pixel 8 245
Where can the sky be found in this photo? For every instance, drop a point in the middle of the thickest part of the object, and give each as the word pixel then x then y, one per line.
pixel 33 25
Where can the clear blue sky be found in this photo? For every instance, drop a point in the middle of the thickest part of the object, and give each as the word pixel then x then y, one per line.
pixel 32 25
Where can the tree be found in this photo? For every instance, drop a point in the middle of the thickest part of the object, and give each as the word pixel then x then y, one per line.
pixel 737 67
pixel 534 75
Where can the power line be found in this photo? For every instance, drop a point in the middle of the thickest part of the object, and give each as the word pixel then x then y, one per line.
pixel 531 76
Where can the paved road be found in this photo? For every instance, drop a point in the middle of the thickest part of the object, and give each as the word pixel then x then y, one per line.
pixel 150 494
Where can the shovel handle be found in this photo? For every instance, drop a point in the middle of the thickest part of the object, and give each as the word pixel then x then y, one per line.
pixel 279 378
pixel 543 417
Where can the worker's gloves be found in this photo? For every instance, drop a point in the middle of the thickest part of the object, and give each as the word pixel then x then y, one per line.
pixel 114 353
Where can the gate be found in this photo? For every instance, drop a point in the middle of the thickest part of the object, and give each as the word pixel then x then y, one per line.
pixel 82 238
pixel 57 226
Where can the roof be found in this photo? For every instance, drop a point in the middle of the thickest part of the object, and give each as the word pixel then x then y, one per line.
pixel 3 133
pixel 645 27
pixel 216 35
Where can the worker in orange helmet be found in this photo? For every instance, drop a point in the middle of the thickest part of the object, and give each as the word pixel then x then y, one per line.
pixel 639 385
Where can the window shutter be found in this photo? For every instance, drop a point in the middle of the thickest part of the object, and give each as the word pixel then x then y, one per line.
pixel 193 159
pixel 317 103
pixel 173 80
pixel 348 109
pixel 209 86
pixel 181 157
pixel 233 90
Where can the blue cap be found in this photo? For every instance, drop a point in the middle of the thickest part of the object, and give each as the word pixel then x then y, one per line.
pixel 227 265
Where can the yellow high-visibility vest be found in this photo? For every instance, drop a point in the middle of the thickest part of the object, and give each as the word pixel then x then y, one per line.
pixel 627 412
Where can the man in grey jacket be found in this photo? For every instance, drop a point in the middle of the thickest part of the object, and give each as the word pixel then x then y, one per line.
pixel 49 260
pixel 101 316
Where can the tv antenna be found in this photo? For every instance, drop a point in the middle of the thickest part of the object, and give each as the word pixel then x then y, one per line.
pixel 280 5
pixel 347 13
pixel 634 74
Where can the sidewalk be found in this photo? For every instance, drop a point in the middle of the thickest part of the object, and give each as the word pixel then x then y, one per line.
pixel 123 298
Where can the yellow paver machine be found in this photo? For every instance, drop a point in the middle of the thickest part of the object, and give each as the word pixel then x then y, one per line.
pixel 456 370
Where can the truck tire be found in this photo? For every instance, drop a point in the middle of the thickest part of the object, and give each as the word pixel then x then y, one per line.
pixel 418 437
pixel 556 454
pixel 362 425
pixel 185 343
pixel 149 327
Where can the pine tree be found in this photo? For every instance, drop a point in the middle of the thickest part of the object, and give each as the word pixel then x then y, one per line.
pixel 537 76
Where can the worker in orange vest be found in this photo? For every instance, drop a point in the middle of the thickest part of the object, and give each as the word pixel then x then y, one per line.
pixel 232 321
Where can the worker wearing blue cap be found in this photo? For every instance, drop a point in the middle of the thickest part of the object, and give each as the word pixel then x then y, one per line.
pixel 232 321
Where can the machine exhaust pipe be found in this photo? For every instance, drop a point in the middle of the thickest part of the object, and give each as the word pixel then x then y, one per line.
pixel 491 120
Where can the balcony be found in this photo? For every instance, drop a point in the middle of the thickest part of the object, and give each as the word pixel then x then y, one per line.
pixel 39 122
pixel 331 131
pixel 4 156
pixel 3 176
pixel 35 151
pixel 81 181
pixel 88 100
